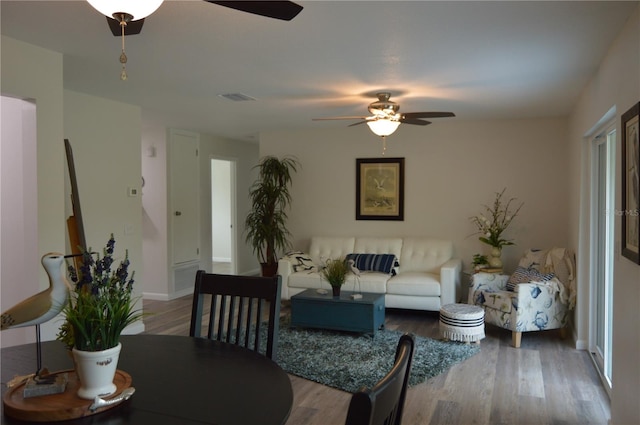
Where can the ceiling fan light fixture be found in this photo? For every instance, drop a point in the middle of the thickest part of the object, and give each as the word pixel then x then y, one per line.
pixel 138 9
pixel 383 127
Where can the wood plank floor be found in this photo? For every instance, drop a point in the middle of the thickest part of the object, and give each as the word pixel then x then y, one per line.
pixel 545 382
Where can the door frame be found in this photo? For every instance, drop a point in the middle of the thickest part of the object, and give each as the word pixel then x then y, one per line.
pixel 233 166
pixel 601 137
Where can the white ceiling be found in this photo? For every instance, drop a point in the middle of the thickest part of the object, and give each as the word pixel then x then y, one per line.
pixel 479 59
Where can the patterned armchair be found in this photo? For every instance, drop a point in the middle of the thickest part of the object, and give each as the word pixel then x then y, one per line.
pixel 538 296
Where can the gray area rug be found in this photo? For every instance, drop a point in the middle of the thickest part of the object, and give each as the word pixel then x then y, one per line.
pixel 348 361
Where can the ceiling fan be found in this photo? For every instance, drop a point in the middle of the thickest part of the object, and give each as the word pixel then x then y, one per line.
pixel 126 17
pixel 385 118
pixel 283 10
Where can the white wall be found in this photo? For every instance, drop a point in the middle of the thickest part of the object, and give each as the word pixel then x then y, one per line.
pixel 616 84
pixel 452 168
pixel 30 72
pixel 107 159
pixel 155 203
pixel 107 162
pixel 154 207
pixel 18 210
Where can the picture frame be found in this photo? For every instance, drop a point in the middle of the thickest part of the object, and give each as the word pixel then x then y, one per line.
pixel 630 167
pixel 380 189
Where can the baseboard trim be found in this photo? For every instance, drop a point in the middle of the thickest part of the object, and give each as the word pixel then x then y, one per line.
pixel 254 272
pixel 180 294
pixel 157 296
pixel 581 344
pixel 133 329
pixel 221 259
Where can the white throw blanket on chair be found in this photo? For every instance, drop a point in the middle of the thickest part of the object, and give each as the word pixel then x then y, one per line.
pixel 561 263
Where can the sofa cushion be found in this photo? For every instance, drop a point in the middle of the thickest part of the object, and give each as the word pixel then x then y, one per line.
pixel 306 280
pixel 384 263
pixel 323 248
pixel 414 283
pixel 374 282
pixel 424 254
pixel 373 245
pixel 526 275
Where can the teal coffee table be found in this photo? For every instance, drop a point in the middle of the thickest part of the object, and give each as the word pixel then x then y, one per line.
pixel 310 309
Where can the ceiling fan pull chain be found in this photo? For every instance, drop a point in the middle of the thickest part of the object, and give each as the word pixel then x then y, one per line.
pixel 384 145
pixel 123 56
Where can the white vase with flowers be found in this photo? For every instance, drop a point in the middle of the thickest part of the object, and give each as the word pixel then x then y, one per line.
pixel 100 307
pixel 492 224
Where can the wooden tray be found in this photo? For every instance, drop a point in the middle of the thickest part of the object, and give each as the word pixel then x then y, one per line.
pixel 58 407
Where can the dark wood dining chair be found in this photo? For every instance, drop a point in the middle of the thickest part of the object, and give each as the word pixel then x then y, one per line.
pixel 237 309
pixel 383 404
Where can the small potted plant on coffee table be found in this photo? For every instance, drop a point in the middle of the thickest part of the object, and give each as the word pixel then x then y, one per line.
pixel 335 272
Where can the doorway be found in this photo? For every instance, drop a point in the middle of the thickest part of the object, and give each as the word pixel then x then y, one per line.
pixel 602 248
pixel 223 213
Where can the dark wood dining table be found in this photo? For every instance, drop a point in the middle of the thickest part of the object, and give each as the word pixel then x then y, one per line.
pixel 178 380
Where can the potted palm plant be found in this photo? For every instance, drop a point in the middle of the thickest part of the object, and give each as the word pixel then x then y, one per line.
pixel 100 307
pixel 265 225
pixel 335 272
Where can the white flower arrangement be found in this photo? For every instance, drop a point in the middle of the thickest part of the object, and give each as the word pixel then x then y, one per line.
pixel 496 221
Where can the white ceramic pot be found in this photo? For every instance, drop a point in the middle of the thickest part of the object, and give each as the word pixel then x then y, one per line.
pixel 96 370
pixel 494 259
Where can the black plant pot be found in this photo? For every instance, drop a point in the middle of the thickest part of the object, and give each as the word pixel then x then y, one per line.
pixel 336 291
pixel 269 270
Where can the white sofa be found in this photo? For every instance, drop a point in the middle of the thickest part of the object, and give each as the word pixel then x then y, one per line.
pixel 427 277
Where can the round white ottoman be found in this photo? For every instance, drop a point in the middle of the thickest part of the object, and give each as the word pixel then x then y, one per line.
pixel 462 322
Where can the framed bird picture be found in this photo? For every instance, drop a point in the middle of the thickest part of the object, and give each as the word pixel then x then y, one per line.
pixel 380 189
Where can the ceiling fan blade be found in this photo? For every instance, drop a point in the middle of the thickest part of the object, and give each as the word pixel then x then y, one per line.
pixel 283 10
pixel 339 118
pixel 357 123
pixel 428 114
pixel 132 27
pixel 414 121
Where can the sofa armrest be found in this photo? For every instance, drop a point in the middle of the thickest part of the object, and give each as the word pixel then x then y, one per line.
pixel 285 268
pixel 450 281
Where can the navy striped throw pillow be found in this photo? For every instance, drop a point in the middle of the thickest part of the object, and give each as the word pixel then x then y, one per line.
pixel 384 263
pixel 523 275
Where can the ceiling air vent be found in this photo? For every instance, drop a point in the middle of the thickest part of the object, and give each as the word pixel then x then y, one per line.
pixel 236 97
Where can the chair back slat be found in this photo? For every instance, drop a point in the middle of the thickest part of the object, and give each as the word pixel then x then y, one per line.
pixel 212 317
pixel 236 310
pixel 239 322
pixel 383 404
pixel 259 305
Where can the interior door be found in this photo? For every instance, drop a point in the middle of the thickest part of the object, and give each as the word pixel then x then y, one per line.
pixel 184 196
